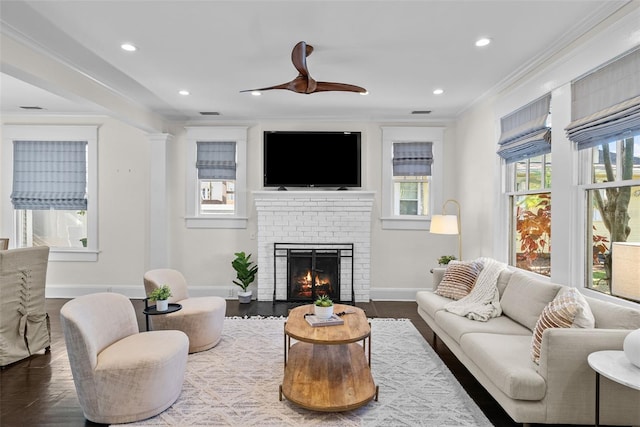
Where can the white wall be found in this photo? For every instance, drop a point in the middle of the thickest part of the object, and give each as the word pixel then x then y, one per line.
pixel 400 260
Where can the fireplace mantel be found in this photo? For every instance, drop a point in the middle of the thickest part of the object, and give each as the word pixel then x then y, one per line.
pixel 323 194
pixel 313 216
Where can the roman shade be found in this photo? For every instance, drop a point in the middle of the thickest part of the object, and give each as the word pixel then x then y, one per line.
pixel 49 175
pixel 524 133
pixel 412 158
pixel 216 159
pixel 605 104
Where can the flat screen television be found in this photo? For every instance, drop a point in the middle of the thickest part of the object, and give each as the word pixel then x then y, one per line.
pixel 312 159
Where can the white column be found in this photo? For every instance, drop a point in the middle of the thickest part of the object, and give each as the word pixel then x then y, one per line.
pixel 158 201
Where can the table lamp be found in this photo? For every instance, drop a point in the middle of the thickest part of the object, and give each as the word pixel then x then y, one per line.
pixel 625 265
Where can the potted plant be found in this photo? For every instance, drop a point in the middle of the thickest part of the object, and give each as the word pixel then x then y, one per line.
pixel 445 259
pixel 161 296
pixel 323 307
pixel 246 272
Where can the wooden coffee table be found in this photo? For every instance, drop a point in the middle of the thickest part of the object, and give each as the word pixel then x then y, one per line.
pixel 328 368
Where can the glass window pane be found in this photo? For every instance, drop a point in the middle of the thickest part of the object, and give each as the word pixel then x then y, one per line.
pixel 411 195
pixel 55 228
pixel 547 170
pixel 408 190
pixel 408 207
pixel 521 176
pixel 532 236
pixel 604 162
pixel 614 216
pixel 535 173
pixel 217 196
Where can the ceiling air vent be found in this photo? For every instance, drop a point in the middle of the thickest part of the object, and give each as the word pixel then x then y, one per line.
pixel 209 113
pixel 31 107
pixel 421 112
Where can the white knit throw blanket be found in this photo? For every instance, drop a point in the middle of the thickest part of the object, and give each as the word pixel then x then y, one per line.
pixel 483 302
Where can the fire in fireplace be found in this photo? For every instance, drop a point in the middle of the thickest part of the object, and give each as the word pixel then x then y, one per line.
pixel 313 273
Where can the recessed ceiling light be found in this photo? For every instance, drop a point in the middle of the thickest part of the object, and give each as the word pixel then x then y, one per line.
pixel 438 91
pixel 256 93
pixel 128 47
pixel 183 92
pixel 366 92
pixel 483 41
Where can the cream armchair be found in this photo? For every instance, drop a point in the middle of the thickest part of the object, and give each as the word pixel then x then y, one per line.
pixel 120 375
pixel 201 318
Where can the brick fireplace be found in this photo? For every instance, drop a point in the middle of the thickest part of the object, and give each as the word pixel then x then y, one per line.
pixel 313 217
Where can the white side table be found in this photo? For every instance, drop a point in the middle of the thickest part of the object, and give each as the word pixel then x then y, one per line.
pixel 613 364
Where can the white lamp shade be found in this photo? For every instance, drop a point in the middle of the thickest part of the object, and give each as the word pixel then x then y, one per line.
pixel 444 224
pixel 626 270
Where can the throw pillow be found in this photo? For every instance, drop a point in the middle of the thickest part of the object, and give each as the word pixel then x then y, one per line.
pixel 561 312
pixel 458 279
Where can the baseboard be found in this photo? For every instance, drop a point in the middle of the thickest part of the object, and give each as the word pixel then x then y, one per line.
pixel 137 291
pixel 393 294
pixel 131 291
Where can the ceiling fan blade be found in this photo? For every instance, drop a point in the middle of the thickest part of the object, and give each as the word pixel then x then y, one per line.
pixel 299 57
pixel 343 87
pixel 280 86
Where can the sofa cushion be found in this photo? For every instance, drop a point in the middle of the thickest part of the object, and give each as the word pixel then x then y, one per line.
pixel 430 302
pixel 566 310
pixel 506 360
pixel 614 316
pixel 525 297
pixel 459 278
pixel 456 326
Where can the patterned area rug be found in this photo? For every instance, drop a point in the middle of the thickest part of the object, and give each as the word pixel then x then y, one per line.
pixel 236 383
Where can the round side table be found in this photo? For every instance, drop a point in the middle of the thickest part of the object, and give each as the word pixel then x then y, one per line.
pixel 152 311
pixel 614 365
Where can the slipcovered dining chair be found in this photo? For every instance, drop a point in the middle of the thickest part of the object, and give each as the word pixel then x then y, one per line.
pixel 24 323
pixel 121 375
pixel 201 318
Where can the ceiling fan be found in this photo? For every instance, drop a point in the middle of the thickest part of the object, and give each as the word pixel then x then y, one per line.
pixel 304 83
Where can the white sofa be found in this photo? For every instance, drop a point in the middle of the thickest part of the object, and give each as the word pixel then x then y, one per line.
pixel 497 352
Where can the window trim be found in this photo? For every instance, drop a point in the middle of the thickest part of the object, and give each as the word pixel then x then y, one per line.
pixel 391 134
pixel 193 217
pixel 87 133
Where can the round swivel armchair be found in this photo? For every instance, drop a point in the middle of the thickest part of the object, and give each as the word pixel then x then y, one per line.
pixel 201 318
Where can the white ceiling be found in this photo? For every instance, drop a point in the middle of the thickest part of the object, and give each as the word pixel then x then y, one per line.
pixel 400 51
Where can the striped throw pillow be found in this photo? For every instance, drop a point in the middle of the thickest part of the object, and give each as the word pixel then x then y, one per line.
pixel 568 309
pixel 458 279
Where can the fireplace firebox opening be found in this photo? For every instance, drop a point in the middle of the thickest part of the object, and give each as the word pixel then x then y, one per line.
pixel 313 270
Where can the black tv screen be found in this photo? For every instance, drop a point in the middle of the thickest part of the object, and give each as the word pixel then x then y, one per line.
pixel 311 159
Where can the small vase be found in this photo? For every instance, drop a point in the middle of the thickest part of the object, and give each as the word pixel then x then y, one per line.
pixel 323 312
pixel 162 305
pixel 631 347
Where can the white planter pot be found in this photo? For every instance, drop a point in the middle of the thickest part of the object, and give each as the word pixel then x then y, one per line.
pixel 244 297
pixel 631 347
pixel 162 305
pixel 323 312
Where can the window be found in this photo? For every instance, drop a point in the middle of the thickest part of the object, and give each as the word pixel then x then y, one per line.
pixel 412 176
pixel 613 205
pixel 53 171
pixel 530 212
pixel 525 145
pixel 216 164
pixel 605 128
pixel 216 177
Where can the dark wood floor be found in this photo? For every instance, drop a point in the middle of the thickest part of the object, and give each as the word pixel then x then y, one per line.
pixel 39 391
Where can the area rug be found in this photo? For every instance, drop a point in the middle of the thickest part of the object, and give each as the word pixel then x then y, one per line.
pixel 236 383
